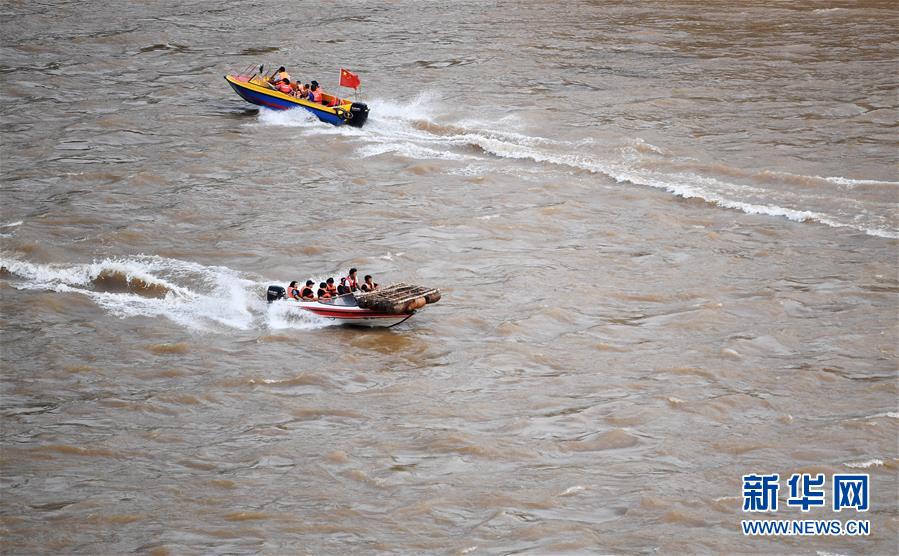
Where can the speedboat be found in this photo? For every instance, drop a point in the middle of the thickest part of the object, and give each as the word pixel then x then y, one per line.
pixel 381 308
pixel 257 90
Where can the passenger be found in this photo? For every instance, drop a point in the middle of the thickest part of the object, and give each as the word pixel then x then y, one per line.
pixel 368 285
pixel 300 90
pixel 315 93
pixel 292 291
pixel 279 76
pixel 331 289
pixel 351 281
pixel 308 294
pixel 343 289
pixel 284 86
pixel 323 291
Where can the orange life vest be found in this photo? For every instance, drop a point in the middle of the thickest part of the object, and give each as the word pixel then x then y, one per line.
pixel 317 95
pixel 332 289
pixel 293 293
pixel 285 88
pixel 352 284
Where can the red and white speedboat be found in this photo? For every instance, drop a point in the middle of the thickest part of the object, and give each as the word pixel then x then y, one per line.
pixel 397 304
pixel 344 310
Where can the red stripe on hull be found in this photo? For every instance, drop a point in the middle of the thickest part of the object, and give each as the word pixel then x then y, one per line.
pixel 353 314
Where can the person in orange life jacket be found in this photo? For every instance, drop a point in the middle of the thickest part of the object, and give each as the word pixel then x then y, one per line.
pixel 342 289
pixel 300 90
pixel 332 288
pixel 307 293
pixel 284 86
pixel 368 285
pixel 323 291
pixel 315 93
pixel 351 281
pixel 279 76
pixel 292 291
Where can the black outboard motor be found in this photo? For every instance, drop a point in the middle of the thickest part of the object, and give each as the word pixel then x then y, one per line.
pixel 275 293
pixel 358 114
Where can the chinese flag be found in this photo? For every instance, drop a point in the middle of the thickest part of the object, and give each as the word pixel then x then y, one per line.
pixel 348 79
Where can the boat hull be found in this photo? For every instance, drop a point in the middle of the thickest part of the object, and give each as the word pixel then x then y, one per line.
pixel 352 114
pixel 352 316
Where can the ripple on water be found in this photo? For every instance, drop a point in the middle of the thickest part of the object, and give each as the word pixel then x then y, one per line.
pixel 610 344
pixel 169 349
pixel 615 439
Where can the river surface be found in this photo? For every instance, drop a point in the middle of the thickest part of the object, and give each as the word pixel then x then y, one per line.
pixel 665 232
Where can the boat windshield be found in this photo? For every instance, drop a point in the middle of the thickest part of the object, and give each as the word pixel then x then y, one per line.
pixel 346 300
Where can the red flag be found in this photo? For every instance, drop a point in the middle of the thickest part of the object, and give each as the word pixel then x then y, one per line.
pixel 348 79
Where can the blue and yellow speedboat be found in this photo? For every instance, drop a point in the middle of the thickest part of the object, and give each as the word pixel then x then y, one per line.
pixel 336 111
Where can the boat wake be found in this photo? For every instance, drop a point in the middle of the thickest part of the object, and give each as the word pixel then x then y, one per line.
pixel 288 118
pixel 198 297
pixel 414 130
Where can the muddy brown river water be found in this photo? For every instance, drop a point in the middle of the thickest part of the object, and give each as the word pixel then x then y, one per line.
pixel 665 232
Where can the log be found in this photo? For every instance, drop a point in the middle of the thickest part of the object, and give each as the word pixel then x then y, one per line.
pixel 398 298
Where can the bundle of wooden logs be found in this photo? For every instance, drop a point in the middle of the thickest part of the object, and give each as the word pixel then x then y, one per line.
pixel 398 299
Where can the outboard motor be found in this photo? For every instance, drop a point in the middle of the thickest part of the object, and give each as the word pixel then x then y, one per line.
pixel 358 114
pixel 275 293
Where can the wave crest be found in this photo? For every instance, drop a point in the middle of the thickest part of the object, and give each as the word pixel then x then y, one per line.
pixel 196 296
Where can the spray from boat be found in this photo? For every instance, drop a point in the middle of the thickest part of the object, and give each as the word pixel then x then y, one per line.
pixel 421 129
pixel 198 297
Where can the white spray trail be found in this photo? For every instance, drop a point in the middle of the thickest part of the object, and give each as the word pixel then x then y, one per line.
pixel 411 129
pixel 205 298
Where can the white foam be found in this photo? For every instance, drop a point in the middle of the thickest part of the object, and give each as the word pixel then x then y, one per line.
pixel 199 297
pixel 848 182
pixel 864 464
pixel 282 316
pixel 410 150
pixel 11 224
pixel 421 107
pixel 81 275
pixel 410 129
pixel 686 186
pixel 890 414
pixel 287 118
pixel 573 490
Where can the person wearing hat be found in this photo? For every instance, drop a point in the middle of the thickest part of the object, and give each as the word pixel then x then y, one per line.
pixel 315 93
pixel 308 294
